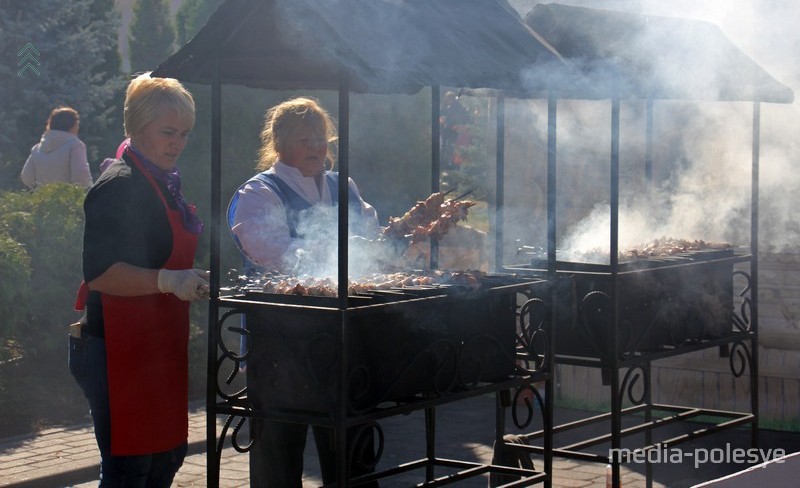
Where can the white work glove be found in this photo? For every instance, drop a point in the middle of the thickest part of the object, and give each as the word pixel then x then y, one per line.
pixel 186 284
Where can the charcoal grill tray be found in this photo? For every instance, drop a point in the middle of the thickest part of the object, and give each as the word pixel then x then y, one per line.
pixel 661 303
pixel 371 297
pixel 637 264
pixel 307 300
pixel 398 347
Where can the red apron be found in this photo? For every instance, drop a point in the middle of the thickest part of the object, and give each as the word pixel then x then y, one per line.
pixel 147 341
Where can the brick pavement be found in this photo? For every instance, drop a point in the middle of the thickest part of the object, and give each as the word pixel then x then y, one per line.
pixel 68 456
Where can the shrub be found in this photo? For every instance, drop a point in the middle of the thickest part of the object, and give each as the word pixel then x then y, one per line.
pixel 41 235
pixel 43 230
pixel 15 270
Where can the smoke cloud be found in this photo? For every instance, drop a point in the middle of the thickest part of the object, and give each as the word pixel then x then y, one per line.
pixel 318 256
pixel 702 150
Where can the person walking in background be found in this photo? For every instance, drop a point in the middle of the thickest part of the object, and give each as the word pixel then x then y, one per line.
pixel 130 358
pixel 59 155
pixel 267 216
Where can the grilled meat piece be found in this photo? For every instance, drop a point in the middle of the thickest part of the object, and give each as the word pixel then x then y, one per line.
pixel 420 214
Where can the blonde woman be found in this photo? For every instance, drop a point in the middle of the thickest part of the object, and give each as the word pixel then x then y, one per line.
pixel 295 164
pixel 268 216
pixel 138 255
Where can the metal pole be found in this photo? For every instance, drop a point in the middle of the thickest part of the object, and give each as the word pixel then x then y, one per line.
pixel 343 460
pixel 343 163
pixel 648 175
pixel 436 161
pixel 212 456
pixel 430 443
pixel 500 182
pixel 754 270
pixel 436 150
pixel 648 155
pixel 552 106
pixel 613 359
pixel 614 195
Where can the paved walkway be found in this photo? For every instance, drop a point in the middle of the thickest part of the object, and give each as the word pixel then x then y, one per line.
pixel 67 457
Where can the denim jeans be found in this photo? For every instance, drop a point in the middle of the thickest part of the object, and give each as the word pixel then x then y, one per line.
pixel 87 364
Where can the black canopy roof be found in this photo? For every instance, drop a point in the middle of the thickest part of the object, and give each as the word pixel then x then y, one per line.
pixel 625 54
pixel 386 46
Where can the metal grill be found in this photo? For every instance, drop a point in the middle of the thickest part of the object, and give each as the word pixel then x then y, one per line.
pixel 395 345
pixel 662 303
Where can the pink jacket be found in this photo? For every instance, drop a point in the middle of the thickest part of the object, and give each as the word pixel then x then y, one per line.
pixel 59 156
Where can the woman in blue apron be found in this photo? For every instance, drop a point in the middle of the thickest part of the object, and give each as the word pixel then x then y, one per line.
pixel 270 218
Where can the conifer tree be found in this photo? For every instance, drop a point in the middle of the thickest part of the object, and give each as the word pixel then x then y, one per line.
pixel 73 40
pixel 152 35
pixel 191 16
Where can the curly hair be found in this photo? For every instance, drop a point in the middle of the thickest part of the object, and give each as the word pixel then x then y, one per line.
pixel 283 120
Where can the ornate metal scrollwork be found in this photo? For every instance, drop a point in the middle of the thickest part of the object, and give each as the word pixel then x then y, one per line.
pixel 595 316
pixel 237 431
pixel 440 359
pixel 235 360
pixel 533 351
pixel 445 369
pixel 629 384
pixel 478 356
pixel 522 405
pixel 740 357
pixel 742 318
pixel 359 383
pixel 363 451
pixel 532 337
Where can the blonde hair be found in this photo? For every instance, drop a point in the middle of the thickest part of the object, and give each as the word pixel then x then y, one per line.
pixel 283 120
pixel 146 96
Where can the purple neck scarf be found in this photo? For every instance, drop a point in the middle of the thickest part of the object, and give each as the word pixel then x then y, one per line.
pixel 172 180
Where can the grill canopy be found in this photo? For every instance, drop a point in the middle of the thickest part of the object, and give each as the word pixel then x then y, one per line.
pixel 401 46
pixel 623 54
pixel 385 46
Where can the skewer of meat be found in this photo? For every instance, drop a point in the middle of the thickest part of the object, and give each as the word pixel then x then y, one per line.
pixel 422 212
pixel 452 212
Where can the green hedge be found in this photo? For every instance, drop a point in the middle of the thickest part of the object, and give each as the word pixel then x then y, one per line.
pixel 41 235
pixel 15 272
pixel 41 250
